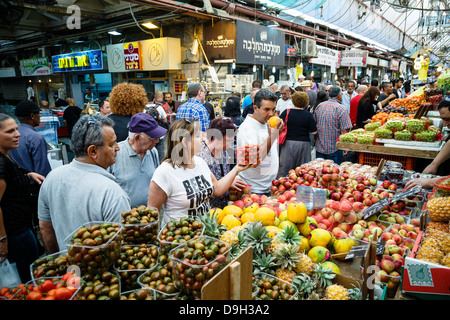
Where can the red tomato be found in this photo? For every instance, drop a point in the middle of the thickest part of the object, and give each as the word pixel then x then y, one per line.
pixel 34 295
pixel 63 294
pixel 49 298
pixel 51 292
pixel 74 281
pixel 67 276
pixel 47 285
pixel 4 291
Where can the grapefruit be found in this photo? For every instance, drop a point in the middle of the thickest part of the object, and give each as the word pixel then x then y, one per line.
pixel 304 244
pixel 248 217
pixel 251 208
pixel 231 221
pixel 343 245
pixel 273 231
pixel 284 224
pixel 233 210
pixel 266 216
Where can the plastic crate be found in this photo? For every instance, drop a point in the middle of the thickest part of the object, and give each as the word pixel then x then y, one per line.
pixel 373 159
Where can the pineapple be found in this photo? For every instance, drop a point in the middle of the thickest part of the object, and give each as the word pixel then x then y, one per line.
pixel 432 225
pixel 256 235
pixel 287 235
pixel 287 257
pixel 336 292
pixel 229 237
pixel 323 277
pixel 212 228
pixel 305 265
pixel 446 260
pixel 264 263
pixel 305 285
pixel 439 209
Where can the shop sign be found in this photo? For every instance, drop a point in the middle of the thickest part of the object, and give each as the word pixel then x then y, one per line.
pixel 78 61
pixel 256 44
pixel 132 55
pixel 7 72
pixel 403 66
pixel 383 63
pixel 219 40
pixel 371 61
pixel 35 67
pixel 354 58
pixel 291 51
pixel 394 65
pixel 327 57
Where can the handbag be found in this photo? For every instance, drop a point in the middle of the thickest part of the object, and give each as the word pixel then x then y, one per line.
pixel 282 136
pixel 9 276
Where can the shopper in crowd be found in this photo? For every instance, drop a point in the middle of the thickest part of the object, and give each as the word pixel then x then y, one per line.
pixel 159 100
pixel 406 88
pixel 89 96
pixel 210 108
pixel 373 83
pixel 367 107
pixel 183 183
pixel 300 123
pixel 314 86
pixel 17 241
pixel 441 164
pixel 82 191
pixel 274 88
pixel 168 98
pixel 249 109
pixel 312 94
pixel 248 99
pixel 104 109
pixel 397 87
pixel 194 108
pixel 44 104
pixel 138 158
pixel 285 102
pixel 158 111
pixel 233 110
pixel 321 97
pixel 220 139
pixel 332 120
pixel 59 103
pixel 348 95
pixel 361 90
pixel 126 99
pixel 386 94
pixel 300 79
pixel 72 114
pixel 255 130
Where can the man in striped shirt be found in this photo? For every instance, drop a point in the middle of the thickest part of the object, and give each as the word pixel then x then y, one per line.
pixel 332 120
pixel 195 108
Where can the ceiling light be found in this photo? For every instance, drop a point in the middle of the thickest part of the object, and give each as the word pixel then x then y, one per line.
pixel 254 68
pixel 149 25
pixel 114 33
pixel 274 69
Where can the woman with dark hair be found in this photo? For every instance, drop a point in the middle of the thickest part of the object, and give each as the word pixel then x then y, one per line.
pixel 219 140
pixel 322 96
pixel 17 241
pixel 367 107
pixel 233 111
pixel 300 123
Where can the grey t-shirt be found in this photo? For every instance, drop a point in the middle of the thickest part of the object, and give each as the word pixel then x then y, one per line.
pixel 78 193
pixel 133 174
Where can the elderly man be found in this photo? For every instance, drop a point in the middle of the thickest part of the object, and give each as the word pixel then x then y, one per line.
pixel 82 191
pixel 195 108
pixel 361 90
pixel 312 94
pixel 274 88
pixel 348 95
pixel 285 102
pixel 138 158
pixel 332 120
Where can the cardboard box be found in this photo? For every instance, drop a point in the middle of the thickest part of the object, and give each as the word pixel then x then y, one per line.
pixel 423 279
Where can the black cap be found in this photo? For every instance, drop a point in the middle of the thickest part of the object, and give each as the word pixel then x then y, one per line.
pixel 25 108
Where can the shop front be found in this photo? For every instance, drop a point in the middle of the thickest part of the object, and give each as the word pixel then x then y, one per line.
pixel 326 64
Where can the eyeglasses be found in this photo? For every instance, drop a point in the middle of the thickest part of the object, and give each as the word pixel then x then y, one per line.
pixel 142 134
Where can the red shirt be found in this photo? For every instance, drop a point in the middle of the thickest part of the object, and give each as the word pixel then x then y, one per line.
pixel 354 108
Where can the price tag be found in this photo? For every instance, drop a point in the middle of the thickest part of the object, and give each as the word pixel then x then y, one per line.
pixel 407 193
pixel 360 251
pixel 375 207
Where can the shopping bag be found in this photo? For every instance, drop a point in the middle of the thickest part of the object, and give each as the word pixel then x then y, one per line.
pixel 282 136
pixel 9 276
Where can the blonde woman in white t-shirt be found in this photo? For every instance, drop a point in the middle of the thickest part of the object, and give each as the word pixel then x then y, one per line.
pixel 183 183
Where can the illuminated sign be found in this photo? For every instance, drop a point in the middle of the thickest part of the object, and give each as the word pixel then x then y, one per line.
pixel 132 55
pixel 35 67
pixel 78 61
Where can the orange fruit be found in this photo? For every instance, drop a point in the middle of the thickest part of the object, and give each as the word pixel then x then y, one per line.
pixel 273 121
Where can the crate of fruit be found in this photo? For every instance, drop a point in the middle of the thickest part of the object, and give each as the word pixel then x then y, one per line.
pixel 140 225
pixel 133 261
pixel 196 262
pixel 249 154
pixel 52 265
pixel 178 231
pixel 268 287
pixel 94 246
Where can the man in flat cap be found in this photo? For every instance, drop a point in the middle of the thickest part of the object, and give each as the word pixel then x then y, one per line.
pixel 138 158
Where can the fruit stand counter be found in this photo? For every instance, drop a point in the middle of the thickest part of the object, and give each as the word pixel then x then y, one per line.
pixel 372 154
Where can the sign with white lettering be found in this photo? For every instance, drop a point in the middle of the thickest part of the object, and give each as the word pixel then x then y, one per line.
pixel 256 44
pixel 78 61
pixel 35 67
pixel 132 55
pixel 219 40
pixel 327 57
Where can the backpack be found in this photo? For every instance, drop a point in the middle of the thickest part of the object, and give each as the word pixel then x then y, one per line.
pixel 151 110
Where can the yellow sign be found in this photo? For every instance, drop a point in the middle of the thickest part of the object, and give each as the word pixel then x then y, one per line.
pixel 132 55
pixel 73 62
pixel 299 70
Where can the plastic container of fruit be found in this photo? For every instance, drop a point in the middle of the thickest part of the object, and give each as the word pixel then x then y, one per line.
pixel 249 154
pixel 406 218
pixel 166 244
pixel 159 278
pixel 269 281
pixel 130 265
pixel 147 294
pixel 54 264
pixel 442 187
pixel 95 258
pixel 105 286
pixel 39 281
pixel 141 232
pixel 196 262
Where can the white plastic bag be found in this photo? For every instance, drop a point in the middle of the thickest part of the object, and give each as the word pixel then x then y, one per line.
pixel 9 276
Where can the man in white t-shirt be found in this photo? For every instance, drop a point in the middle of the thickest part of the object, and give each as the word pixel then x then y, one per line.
pixel 256 130
pixel 285 102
